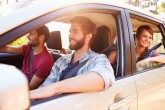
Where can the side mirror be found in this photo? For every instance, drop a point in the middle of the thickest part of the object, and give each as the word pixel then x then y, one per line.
pixel 14 93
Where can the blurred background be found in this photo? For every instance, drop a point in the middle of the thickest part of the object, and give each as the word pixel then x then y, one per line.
pixel 154 6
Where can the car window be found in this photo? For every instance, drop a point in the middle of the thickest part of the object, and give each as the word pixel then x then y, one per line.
pixel 156 40
pixel 108 16
pixel 20 41
pixel 105 19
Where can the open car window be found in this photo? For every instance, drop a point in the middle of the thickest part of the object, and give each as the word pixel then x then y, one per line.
pixel 156 44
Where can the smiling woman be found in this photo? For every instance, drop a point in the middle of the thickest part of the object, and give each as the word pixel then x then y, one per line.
pixel 143 38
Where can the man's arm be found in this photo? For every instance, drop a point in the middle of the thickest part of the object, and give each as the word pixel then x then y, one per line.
pixel 112 57
pixel 35 82
pixel 12 49
pixel 87 82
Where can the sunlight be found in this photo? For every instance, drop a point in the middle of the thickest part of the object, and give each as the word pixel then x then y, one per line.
pixel 63 28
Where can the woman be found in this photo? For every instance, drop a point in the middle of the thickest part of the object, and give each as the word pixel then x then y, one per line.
pixel 143 38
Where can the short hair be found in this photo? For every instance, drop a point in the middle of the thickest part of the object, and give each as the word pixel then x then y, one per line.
pixel 43 30
pixel 86 24
pixel 143 27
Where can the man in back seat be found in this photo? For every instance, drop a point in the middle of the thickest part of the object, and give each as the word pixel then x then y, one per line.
pixel 96 74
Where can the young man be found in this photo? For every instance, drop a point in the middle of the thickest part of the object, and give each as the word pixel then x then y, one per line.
pixel 95 75
pixel 42 61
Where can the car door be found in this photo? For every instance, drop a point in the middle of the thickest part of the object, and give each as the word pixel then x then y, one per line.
pixel 150 81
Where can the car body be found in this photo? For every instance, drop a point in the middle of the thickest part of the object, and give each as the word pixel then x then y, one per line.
pixel 133 90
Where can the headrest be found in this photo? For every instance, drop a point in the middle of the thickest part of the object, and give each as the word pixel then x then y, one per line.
pixel 54 41
pixel 101 40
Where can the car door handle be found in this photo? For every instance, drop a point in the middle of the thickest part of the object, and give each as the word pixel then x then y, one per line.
pixel 124 101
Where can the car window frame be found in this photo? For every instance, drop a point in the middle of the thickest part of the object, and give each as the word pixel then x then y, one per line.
pixel 21 30
pixel 133 56
pixel 36 23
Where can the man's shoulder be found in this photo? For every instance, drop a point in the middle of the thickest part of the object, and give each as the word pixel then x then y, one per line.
pixel 26 48
pixel 64 59
pixel 46 57
pixel 93 54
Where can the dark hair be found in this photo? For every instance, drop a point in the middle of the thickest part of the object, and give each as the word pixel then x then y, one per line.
pixel 86 24
pixel 143 27
pixel 101 39
pixel 43 31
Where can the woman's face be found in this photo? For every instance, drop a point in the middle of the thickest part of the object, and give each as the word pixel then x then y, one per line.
pixel 145 39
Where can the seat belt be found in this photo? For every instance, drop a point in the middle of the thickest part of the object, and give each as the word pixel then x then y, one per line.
pixel 107 50
pixel 153 48
pixel 74 71
pixel 31 63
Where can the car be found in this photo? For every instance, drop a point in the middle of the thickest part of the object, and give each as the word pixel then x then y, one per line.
pixel 133 90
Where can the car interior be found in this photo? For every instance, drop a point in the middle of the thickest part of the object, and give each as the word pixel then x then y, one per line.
pixel 54 44
pixel 59 35
pixel 57 39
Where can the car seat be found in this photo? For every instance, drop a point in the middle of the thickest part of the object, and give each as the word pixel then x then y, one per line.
pixel 54 44
pixel 101 43
pixel 101 40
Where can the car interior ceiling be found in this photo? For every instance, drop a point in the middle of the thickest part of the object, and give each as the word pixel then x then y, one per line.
pixel 136 22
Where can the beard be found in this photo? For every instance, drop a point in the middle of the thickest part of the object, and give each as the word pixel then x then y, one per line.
pixel 79 44
pixel 33 44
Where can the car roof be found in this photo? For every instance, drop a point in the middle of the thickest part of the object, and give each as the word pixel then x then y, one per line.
pixel 43 7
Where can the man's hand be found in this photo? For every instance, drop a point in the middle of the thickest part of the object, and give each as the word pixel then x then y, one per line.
pixel 43 92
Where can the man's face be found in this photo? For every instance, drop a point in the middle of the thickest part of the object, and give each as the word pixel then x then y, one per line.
pixel 76 37
pixel 33 38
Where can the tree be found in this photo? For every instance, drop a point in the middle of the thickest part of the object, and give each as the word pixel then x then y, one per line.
pixel 163 5
pixel 145 4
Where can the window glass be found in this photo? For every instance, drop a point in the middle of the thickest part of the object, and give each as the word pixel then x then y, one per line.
pixel 20 41
pixel 157 39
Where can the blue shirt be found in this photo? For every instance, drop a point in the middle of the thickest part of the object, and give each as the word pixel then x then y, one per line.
pixel 68 69
pixel 97 63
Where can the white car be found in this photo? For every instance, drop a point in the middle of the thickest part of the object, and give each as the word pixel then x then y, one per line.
pixel 133 90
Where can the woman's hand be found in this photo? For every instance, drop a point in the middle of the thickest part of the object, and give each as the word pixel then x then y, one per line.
pixel 145 63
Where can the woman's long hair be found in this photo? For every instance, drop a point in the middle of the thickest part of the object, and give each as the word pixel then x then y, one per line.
pixel 137 37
